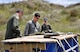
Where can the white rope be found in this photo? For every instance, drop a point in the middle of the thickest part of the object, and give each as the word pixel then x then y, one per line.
pixel 62 45
pixel 68 45
pixel 75 41
pixel 72 48
pixel 58 43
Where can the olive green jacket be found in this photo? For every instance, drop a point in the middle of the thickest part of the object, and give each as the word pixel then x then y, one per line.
pixel 12 27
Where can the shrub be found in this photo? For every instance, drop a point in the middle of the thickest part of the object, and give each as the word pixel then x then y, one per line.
pixel 64 11
pixel 73 13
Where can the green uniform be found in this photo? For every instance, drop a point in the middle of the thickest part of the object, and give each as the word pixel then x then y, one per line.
pixel 12 30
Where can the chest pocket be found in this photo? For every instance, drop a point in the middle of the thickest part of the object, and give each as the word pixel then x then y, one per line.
pixel 32 27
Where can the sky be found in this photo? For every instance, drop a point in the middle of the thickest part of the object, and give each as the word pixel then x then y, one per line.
pixel 64 2
pixel 61 2
pixel 8 1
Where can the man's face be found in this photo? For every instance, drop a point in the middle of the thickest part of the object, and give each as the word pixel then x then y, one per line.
pixel 20 15
pixel 36 18
pixel 45 22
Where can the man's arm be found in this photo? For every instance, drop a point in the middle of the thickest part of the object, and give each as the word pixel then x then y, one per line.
pixel 50 27
pixel 26 30
pixel 15 26
pixel 41 28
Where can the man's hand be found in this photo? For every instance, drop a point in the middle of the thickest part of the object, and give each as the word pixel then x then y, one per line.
pixel 78 34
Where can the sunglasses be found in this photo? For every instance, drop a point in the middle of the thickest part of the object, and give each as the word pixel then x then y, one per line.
pixel 37 17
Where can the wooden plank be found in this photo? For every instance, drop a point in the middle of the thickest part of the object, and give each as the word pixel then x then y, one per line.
pixel 61 37
pixel 30 40
pixel 41 46
pixel 38 38
pixel 10 47
pixel 24 47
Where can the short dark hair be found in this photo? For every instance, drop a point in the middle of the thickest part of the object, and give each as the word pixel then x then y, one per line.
pixel 17 11
pixel 37 15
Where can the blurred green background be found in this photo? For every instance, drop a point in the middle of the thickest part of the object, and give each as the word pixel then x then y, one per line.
pixel 63 19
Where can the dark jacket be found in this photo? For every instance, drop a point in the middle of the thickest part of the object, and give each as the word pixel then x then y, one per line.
pixel 31 27
pixel 45 28
pixel 12 30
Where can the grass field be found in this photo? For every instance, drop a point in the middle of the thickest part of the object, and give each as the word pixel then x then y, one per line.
pixel 60 18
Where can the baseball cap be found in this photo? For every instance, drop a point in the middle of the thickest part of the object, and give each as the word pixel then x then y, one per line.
pixel 45 19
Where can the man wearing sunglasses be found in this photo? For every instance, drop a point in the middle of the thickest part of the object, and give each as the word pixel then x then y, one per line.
pixel 32 26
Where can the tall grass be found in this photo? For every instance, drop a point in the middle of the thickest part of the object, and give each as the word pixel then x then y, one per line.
pixel 59 18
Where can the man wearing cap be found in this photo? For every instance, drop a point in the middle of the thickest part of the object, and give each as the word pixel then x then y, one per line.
pixel 12 30
pixel 46 27
pixel 32 26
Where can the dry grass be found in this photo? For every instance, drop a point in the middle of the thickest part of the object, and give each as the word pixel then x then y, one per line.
pixel 60 18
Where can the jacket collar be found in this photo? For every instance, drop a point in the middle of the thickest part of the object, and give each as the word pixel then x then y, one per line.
pixel 17 16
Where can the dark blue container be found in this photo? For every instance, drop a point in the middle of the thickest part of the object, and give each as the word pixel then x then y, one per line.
pixel 6 50
pixel 54 47
pixel 50 47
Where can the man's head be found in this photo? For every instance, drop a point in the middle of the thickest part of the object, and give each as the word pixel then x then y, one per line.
pixel 45 20
pixel 36 17
pixel 20 13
